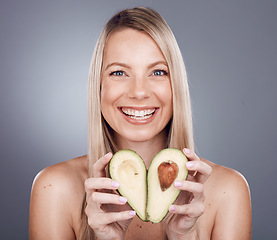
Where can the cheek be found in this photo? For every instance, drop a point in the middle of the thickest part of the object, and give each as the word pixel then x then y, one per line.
pixel 106 104
pixel 167 101
pixel 106 94
pixel 165 95
pixel 105 101
pixel 110 93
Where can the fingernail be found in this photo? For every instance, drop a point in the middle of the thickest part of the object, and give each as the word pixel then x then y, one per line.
pixel 172 209
pixel 106 154
pixel 115 184
pixel 122 199
pixel 132 213
pixel 190 164
pixel 187 151
pixel 178 183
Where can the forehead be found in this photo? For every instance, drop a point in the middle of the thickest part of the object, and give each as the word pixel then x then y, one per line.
pixel 129 44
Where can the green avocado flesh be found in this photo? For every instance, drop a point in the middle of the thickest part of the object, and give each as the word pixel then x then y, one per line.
pixel 128 169
pixel 149 193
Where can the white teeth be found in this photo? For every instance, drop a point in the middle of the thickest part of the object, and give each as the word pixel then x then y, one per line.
pixel 136 114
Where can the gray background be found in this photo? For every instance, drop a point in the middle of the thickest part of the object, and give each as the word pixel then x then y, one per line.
pixel 230 51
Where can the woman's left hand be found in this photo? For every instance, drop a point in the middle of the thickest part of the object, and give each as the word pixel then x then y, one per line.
pixel 181 221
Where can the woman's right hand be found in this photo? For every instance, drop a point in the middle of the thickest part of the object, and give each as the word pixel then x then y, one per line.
pixel 107 212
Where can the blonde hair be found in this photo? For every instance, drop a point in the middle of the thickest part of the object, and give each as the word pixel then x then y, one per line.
pixel 180 132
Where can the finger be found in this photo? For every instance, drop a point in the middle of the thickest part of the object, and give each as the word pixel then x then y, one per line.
pixel 193 187
pixel 193 210
pixel 94 184
pixel 105 198
pixel 203 170
pixel 197 190
pixel 111 217
pixel 191 155
pixel 198 167
pixel 100 164
pixel 100 183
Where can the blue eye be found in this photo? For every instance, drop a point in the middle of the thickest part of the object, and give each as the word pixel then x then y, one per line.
pixel 160 73
pixel 117 73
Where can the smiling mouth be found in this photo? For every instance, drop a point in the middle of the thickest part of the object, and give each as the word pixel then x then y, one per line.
pixel 138 114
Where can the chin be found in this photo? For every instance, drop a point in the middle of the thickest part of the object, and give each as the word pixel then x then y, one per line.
pixel 140 136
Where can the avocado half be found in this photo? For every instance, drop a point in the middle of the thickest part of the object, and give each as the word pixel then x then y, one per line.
pixel 162 194
pixel 149 194
pixel 128 169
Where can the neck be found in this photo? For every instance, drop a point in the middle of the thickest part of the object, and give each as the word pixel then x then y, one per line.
pixel 147 149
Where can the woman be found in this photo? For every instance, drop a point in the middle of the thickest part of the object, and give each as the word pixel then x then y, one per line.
pixel 139 100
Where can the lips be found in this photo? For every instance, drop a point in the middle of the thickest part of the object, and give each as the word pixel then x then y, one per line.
pixel 138 114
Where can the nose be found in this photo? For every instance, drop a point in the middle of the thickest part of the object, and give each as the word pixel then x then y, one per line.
pixel 139 88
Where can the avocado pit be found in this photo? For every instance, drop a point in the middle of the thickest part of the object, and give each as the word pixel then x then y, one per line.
pixel 167 173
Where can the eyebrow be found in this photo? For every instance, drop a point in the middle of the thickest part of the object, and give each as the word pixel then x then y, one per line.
pixel 157 63
pixel 127 66
pixel 117 64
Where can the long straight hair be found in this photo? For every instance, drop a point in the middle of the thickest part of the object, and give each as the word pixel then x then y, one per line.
pixel 180 129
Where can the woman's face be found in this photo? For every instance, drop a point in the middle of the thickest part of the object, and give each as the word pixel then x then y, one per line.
pixel 136 96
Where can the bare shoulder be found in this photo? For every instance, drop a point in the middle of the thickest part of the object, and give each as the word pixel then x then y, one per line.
pixel 224 178
pixel 65 174
pixel 56 199
pixel 228 197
